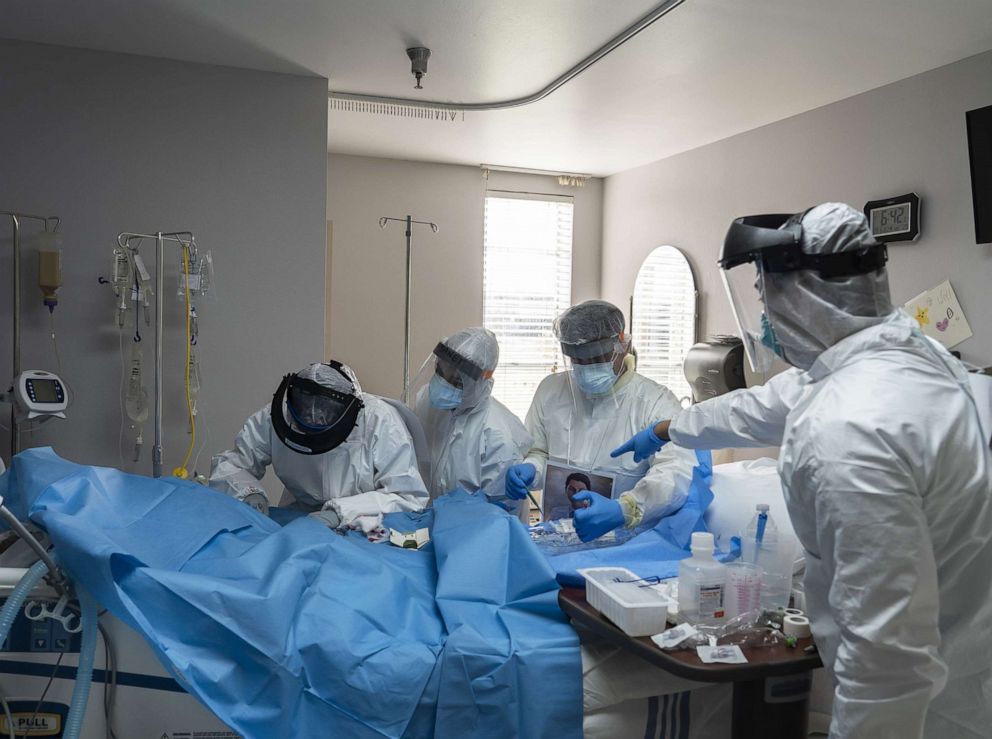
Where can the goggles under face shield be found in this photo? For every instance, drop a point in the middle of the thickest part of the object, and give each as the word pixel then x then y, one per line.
pixel 296 394
pixel 604 349
pixel 455 368
pixel 594 368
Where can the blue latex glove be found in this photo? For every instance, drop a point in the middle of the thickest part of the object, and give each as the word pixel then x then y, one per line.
pixel 643 444
pixel 600 516
pixel 519 478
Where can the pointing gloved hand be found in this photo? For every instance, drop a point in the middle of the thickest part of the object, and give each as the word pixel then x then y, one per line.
pixel 643 444
pixel 600 516
pixel 519 478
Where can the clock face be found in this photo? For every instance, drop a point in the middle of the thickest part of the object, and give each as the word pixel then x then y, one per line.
pixel 894 219
pixel 891 220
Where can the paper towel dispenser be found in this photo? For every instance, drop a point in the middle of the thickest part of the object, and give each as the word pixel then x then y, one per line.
pixel 715 367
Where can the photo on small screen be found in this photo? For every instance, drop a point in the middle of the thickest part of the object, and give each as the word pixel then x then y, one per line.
pixel 563 482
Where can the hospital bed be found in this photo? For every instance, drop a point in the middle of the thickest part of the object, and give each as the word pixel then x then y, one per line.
pixel 293 631
pixel 622 696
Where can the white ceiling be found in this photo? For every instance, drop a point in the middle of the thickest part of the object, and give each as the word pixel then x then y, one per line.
pixel 708 70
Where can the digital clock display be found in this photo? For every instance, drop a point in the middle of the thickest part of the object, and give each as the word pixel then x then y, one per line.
pixel 894 219
pixel 891 219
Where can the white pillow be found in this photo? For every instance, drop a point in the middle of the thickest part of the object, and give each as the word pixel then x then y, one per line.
pixel 737 488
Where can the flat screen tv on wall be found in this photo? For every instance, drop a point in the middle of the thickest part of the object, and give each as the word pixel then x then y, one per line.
pixel 980 152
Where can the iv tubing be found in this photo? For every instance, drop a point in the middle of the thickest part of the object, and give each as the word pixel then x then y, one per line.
pixel 189 360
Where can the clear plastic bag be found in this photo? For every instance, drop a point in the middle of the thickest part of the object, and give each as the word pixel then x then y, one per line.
pixel 558 537
pixel 200 276
pixel 757 628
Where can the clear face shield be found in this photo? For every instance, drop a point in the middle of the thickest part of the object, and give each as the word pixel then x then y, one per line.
pixel 745 286
pixel 595 366
pixel 313 418
pixel 594 369
pixel 448 381
pixel 446 385
pixel 594 344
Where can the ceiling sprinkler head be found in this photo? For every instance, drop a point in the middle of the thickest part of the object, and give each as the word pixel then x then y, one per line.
pixel 418 63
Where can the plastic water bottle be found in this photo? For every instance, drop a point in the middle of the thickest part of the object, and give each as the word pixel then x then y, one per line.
pixel 702 584
pixel 761 545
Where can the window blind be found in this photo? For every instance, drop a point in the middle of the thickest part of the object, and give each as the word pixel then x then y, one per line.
pixel 527 283
pixel 664 318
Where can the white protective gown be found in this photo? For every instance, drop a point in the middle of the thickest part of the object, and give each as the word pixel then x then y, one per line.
pixel 888 480
pixel 581 431
pixel 472 447
pixel 373 472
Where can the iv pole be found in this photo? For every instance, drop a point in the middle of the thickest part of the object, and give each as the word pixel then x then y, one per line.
pixel 185 239
pixel 15 433
pixel 409 273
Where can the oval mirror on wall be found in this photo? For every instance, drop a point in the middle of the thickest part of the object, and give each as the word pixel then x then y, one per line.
pixel 663 318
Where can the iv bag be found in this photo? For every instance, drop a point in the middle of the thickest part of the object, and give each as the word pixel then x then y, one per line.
pixel 121 273
pixel 194 383
pixel 121 280
pixel 200 277
pixel 136 401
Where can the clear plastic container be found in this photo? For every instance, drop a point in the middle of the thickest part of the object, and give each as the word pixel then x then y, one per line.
pixel 762 546
pixel 743 588
pixel 702 584
pixel 632 603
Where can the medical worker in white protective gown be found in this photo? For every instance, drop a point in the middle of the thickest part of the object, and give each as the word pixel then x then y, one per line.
pixel 473 438
pixel 577 417
pixel 884 466
pixel 341 454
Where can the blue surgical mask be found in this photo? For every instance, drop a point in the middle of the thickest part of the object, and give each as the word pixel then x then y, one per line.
pixel 595 379
pixel 768 337
pixel 443 394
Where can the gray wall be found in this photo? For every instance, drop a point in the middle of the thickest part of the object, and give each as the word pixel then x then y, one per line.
pixel 366 296
pixel 907 136
pixel 112 142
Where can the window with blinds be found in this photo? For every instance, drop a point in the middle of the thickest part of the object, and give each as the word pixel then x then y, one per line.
pixel 527 283
pixel 663 321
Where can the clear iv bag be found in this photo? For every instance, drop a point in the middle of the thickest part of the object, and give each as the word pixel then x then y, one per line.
pixel 121 281
pixel 200 277
pixel 194 373
pixel 136 401
pixel 121 273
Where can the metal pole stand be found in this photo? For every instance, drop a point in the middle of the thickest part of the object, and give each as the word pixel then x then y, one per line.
pixel 184 239
pixel 409 222
pixel 15 432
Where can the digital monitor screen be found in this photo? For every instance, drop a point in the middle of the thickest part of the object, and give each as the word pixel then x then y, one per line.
pixel 891 219
pixel 980 153
pixel 45 391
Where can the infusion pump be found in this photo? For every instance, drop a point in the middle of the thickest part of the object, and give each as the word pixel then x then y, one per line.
pixel 37 394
